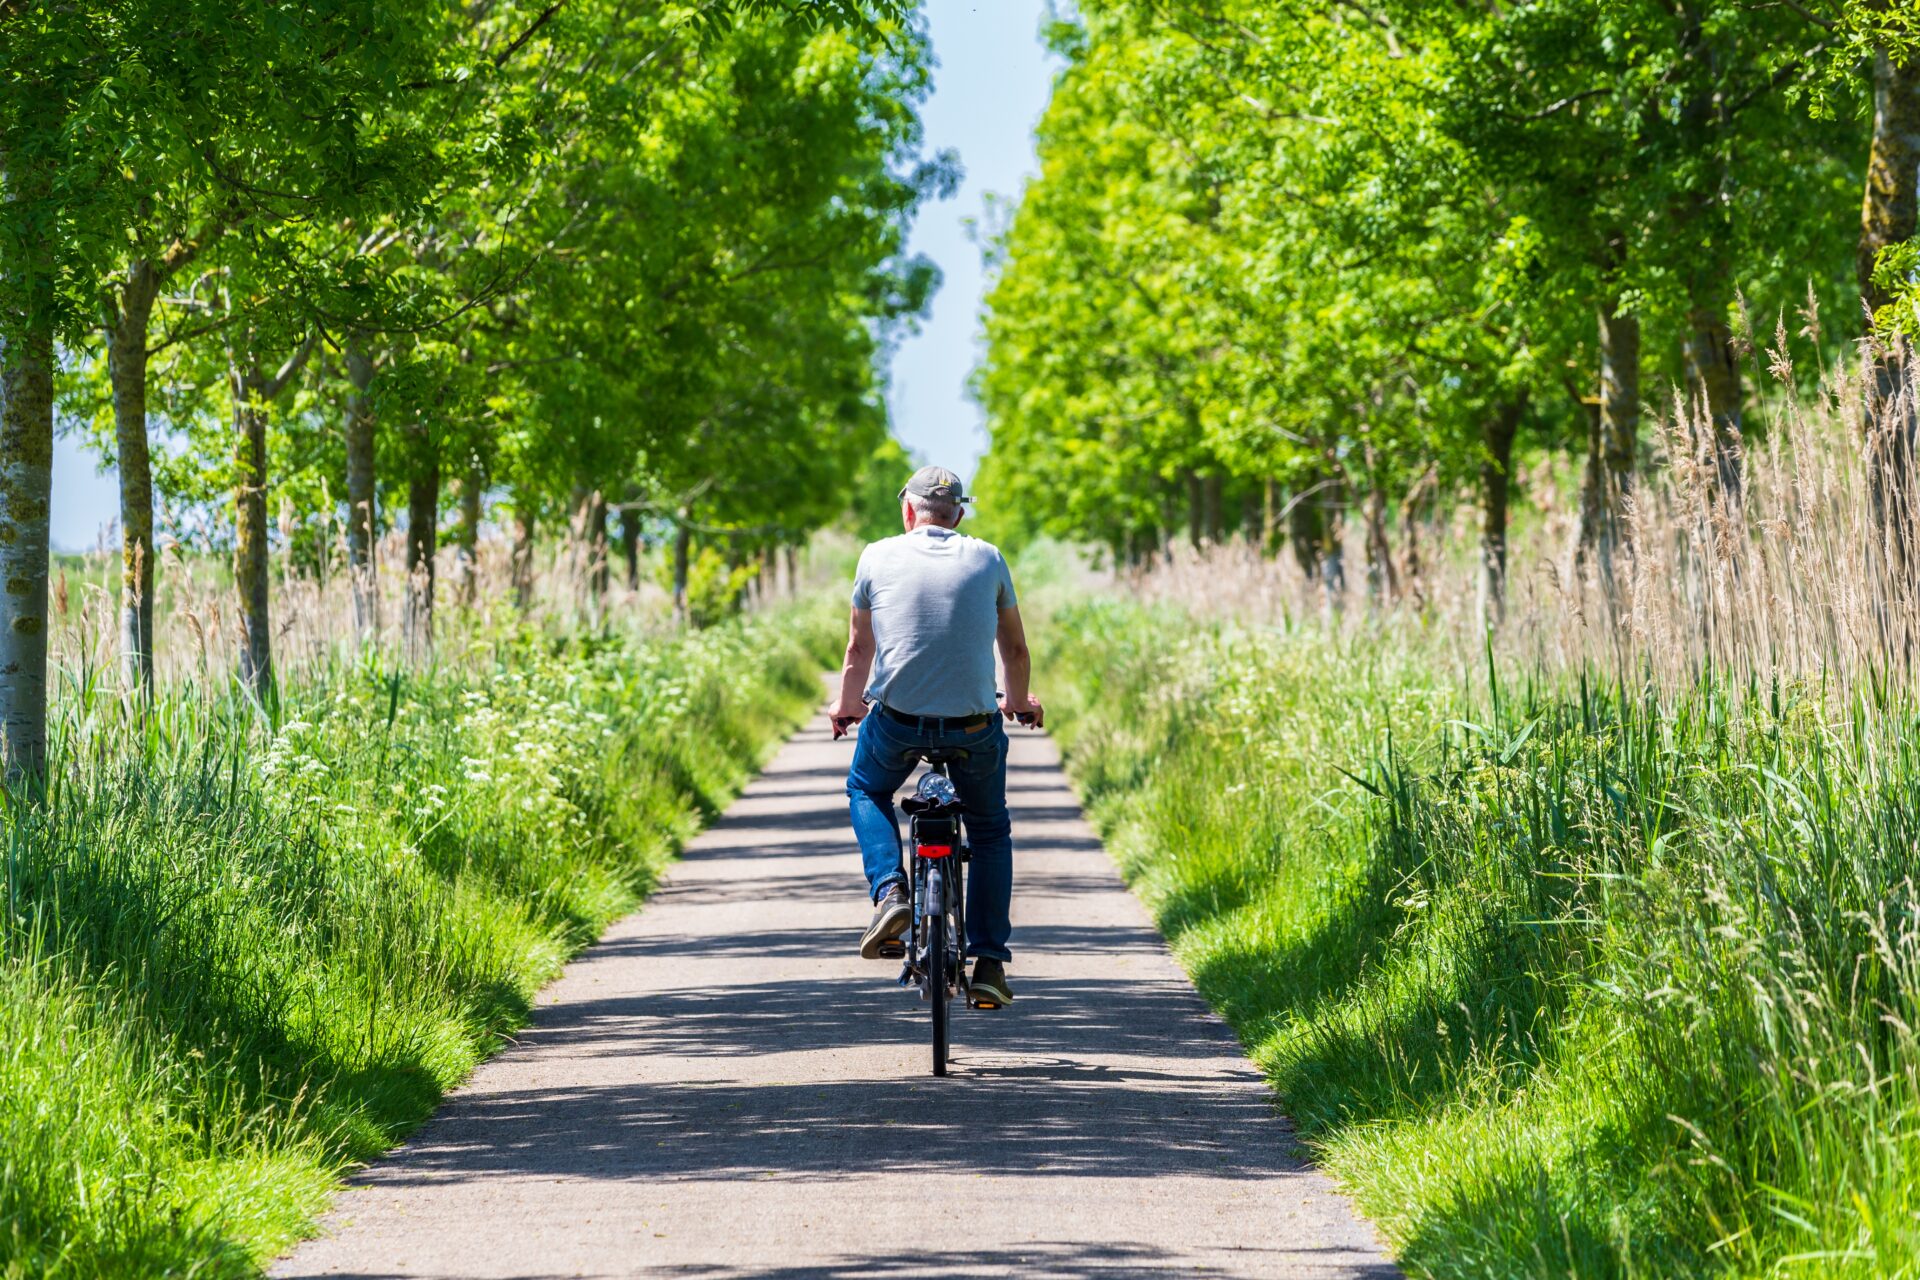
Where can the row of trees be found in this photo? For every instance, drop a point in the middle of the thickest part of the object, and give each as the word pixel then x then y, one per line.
pixel 553 261
pixel 1288 264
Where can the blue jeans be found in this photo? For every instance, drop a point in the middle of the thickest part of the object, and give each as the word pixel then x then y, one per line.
pixel 881 763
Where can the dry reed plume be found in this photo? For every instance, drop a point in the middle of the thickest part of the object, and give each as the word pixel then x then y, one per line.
pixel 570 587
pixel 1792 578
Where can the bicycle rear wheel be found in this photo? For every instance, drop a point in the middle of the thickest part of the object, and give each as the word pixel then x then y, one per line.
pixel 938 979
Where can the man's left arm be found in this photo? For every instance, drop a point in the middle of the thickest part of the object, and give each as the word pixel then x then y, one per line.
pixel 1017 661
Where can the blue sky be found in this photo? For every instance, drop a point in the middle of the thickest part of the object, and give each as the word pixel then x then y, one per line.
pixel 990 87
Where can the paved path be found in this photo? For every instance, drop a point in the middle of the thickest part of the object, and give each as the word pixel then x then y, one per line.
pixel 722 1088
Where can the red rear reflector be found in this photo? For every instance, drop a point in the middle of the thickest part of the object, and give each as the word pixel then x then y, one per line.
pixel 936 850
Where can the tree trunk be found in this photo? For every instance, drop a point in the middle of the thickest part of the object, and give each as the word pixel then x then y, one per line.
pixel 1210 496
pixel 1412 508
pixel 682 545
pixel 1496 489
pixel 26 488
pixel 1702 213
pixel 467 532
pixel 1890 215
pixel 599 554
pixel 1196 510
pixel 250 534
pixel 423 530
pixel 360 490
pixel 630 545
pixel 793 571
pixel 522 567
pixel 1382 581
pixel 1614 440
pixel 127 366
pixel 1333 548
pixel 1304 518
pixel 1714 393
pixel 1269 505
pixel 253 390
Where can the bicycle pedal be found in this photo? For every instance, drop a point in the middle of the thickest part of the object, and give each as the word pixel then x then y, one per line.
pixel 893 950
pixel 985 1004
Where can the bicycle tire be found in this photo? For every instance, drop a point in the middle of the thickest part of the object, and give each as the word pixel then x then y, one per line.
pixel 937 963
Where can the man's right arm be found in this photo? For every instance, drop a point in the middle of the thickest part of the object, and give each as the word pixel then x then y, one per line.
pixel 849 704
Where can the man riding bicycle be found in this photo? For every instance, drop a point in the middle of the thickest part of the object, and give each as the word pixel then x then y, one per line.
pixel 929 607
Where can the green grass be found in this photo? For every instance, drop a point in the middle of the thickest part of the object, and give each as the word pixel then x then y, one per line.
pixel 1559 981
pixel 240 958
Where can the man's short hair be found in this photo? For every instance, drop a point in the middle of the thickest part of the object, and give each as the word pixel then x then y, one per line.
pixel 942 511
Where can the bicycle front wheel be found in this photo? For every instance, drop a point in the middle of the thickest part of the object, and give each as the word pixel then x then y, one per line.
pixel 938 979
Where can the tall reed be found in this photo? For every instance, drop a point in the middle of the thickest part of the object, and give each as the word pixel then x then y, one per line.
pixel 1585 946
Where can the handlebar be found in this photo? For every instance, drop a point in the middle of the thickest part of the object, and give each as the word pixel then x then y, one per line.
pixel 1030 719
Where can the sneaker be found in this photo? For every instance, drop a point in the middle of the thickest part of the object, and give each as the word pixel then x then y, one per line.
pixel 891 915
pixel 989 989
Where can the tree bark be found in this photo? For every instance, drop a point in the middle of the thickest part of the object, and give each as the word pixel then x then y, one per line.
pixel 1196 510
pixel 26 489
pixel 1304 518
pixel 1614 440
pixel 1412 509
pixel 1890 215
pixel 423 530
pixel 1714 392
pixel 1211 486
pixel 253 389
pixel 1333 561
pixel 127 368
pixel 250 534
pixel 1712 366
pixel 1496 489
pixel 467 532
pixel 522 558
pixel 1383 582
pixel 599 554
pixel 630 545
pixel 682 547
pixel 360 489
pixel 26 462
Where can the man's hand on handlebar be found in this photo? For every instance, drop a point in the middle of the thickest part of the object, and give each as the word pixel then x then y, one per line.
pixel 843 718
pixel 1027 712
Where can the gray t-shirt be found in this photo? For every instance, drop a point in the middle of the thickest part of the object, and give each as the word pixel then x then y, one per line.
pixel 936 597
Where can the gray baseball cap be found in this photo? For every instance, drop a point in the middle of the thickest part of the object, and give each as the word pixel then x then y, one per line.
pixel 935 482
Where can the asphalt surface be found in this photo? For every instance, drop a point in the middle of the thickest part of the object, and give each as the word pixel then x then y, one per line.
pixel 722 1088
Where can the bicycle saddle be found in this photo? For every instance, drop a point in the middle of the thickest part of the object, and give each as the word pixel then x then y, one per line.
pixel 935 794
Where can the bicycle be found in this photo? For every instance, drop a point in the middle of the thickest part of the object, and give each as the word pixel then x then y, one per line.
pixel 937 844
pixel 934 952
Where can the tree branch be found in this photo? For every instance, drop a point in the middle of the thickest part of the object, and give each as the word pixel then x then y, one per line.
pixel 1825 24
pixel 189 334
pixel 546 16
pixel 272 388
pixel 1559 106
pixel 1778 78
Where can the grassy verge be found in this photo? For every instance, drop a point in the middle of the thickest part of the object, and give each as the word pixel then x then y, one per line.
pixel 1559 981
pixel 240 959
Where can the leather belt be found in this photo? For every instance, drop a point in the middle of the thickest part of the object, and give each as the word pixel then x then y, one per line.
pixel 940 724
